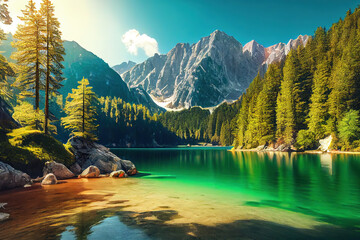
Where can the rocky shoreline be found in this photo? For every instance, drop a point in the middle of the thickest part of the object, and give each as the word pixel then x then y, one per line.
pixel 92 160
pixel 323 147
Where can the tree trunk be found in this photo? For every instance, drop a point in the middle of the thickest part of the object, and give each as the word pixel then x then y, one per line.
pixel 47 74
pixel 37 81
pixel 83 113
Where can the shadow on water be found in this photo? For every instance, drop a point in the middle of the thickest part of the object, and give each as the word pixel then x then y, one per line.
pixel 346 223
pixel 155 225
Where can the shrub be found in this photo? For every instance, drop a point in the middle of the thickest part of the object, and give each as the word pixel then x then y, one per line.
pixel 349 129
pixel 306 140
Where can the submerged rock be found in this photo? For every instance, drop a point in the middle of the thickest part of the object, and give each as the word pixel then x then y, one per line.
pixel 90 172
pixel 325 144
pixel 12 178
pixel 88 153
pixel 50 179
pixel 118 174
pixel 58 169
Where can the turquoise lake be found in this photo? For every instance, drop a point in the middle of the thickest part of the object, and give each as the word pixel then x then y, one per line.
pixel 197 193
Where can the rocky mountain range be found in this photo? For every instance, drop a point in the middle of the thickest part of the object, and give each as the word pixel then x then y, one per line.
pixel 123 67
pixel 215 69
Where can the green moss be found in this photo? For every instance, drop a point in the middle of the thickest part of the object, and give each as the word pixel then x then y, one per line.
pixel 28 150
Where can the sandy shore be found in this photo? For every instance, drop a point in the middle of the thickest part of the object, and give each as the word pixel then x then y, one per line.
pixel 161 211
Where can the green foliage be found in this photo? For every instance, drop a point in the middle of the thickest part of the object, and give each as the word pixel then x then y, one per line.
pixel 318 114
pixel 265 111
pixel 287 100
pixel 188 124
pixel 124 124
pixel 28 150
pixel 25 114
pixel 225 134
pixel 349 128
pixel 81 112
pixel 306 140
pixel 319 84
pixel 5 86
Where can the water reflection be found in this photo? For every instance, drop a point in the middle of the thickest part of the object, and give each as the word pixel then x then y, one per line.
pixel 326 184
pixel 326 162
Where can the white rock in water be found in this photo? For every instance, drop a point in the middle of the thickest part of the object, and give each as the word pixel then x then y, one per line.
pixel 4 216
pixel 325 144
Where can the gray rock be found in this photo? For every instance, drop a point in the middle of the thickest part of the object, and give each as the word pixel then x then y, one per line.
pixel 58 169
pixel 11 178
pixel 88 153
pixel 90 172
pixel 50 179
pixel 75 168
pixel 261 148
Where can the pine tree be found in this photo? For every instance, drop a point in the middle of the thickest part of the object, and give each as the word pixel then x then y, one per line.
pixel 81 113
pixel 318 114
pixel 286 109
pixel 225 134
pixel 54 54
pixel 29 55
pixel 4 17
pixel 265 113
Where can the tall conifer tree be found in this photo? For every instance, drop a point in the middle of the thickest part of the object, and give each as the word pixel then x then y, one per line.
pixel 81 113
pixel 318 114
pixel 29 43
pixel 54 54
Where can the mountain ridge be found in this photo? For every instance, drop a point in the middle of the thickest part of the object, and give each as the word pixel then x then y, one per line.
pixel 206 73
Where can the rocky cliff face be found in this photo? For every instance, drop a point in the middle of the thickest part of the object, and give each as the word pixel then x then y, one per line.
pixel 202 74
pixel 123 67
pixel 215 69
pixel 275 53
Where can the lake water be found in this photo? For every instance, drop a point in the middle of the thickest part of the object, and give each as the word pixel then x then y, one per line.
pixel 199 193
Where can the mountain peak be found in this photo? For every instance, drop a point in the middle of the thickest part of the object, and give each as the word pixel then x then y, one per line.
pixel 253 47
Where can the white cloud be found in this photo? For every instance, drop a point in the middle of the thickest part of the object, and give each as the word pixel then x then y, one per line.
pixel 133 41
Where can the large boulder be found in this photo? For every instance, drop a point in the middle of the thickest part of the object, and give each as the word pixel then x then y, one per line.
pixel 90 172
pixel 50 179
pixel 12 178
pixel 58 169
pixel 76 169
pixel 88 153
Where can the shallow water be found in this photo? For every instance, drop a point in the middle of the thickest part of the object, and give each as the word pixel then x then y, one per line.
pixel 192 193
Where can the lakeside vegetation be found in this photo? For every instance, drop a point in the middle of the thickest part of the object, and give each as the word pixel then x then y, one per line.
pixel 313 94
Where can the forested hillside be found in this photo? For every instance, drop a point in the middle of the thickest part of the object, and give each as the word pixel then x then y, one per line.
pixel 313 94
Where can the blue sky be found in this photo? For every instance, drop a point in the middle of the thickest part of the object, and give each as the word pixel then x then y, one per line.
pixel 99 26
